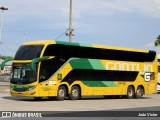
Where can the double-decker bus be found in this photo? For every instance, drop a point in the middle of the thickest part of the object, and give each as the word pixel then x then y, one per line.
pixel 57 69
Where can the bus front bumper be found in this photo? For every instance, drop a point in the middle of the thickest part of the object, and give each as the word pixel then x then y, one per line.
pixel 31 93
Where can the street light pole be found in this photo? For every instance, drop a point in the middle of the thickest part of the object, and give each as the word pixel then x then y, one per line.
pixel 2 8
pixel 70 30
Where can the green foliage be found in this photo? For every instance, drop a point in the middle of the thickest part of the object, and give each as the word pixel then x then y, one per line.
pixel 157 42
pixel 5 57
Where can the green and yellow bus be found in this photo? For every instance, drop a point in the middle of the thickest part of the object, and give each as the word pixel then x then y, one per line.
pixel 57 69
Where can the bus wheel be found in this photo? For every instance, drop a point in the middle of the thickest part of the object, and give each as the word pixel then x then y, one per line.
pixel 37 98
pixel 75 93
pixel 61 93
pixel 139 93
pixel 130 92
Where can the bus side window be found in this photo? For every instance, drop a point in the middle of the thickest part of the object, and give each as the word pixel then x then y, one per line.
pixel 101 53
pixel 86 52
pixel 72 51
pixel 53 50
pixel 43 75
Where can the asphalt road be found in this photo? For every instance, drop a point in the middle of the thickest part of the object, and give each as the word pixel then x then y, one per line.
pixel 85 107
pixel 9 103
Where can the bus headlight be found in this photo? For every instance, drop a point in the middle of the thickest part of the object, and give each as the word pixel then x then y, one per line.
pixel 31 88
pixel 11 88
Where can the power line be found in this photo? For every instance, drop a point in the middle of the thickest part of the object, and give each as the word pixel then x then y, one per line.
pixel 22 31
pixel 25 31
pixel 61 35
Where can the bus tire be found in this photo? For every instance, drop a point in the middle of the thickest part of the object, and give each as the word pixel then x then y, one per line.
pixel 61 93
pixel 75 93
pixel 139 93
pixel 130 92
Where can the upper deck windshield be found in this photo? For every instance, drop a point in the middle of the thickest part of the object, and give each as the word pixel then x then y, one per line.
pixel 28 52
pixel 22 74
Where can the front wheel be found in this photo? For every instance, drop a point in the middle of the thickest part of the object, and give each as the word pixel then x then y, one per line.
pixel 75 93
pixel 130 92
pixel 139 93
pixel 61 93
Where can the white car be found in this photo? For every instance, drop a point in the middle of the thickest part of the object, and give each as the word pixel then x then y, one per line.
pixel 158 87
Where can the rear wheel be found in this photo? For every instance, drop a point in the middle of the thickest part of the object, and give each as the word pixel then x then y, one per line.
pixel 75 93
pixel 139 93
pixel 130 92
pixel 61 94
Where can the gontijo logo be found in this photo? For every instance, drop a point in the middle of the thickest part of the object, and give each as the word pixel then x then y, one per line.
pixel 129 66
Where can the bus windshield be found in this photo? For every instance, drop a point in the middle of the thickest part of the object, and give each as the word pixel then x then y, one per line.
pixel 22 74
pixel 28 52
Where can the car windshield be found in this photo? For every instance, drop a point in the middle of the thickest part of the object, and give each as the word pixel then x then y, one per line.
pixel 22 74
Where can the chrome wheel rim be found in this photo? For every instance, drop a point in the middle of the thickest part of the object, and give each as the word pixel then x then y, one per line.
pixel 139 93
pixel 130 92
pixel 61 93
pixel 75 92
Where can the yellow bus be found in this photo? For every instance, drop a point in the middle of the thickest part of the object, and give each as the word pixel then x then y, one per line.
pixel 57 69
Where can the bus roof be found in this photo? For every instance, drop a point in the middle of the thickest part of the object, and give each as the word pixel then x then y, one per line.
pixel 47 42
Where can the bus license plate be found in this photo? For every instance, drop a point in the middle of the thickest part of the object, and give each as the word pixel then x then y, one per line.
pixel 19 94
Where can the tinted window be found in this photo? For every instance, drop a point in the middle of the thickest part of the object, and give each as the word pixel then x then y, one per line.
pixel 49 67
pixel 99 75
pixel 28 52
pixel 98 53
pixel 53 50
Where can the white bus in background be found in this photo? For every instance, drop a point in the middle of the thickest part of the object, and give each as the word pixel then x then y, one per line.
pixel 158 84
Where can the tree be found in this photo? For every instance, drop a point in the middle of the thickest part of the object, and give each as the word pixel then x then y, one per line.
pixel 5 57
pixel 157 42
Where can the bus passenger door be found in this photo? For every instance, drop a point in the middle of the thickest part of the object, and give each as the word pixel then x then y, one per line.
pixel 44 88
pixel 44 80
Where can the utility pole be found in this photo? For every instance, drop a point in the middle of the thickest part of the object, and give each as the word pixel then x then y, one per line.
pixel 1 8
pixel 70 30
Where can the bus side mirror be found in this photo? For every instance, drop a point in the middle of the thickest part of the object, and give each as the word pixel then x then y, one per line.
pixel 35 60
pixel 4 62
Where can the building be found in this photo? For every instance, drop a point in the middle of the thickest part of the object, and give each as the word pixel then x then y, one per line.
pixel 7 68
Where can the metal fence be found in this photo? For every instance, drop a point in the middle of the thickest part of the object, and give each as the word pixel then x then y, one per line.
pixel 4 82
pixel 5 76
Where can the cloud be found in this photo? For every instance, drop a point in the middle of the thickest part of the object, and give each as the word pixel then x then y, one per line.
pixel 149 45
pixel 49 14
pixel 51 9
pixel 150 8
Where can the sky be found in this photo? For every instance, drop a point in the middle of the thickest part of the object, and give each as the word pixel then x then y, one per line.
pixel 124 23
